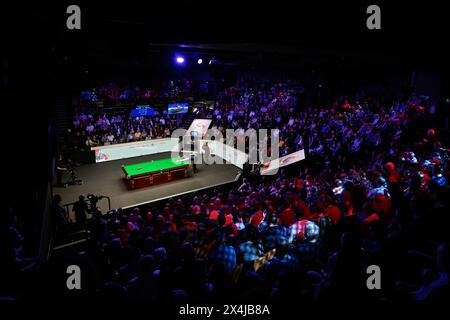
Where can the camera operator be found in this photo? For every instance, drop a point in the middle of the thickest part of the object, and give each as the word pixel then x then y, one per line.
pixel 81 210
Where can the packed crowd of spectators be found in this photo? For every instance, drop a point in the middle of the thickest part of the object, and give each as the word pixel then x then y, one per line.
pixel 111 91
pixel 92 126
pixel 89 130
pixel 365 196
pixel 249 104
pixel 264 105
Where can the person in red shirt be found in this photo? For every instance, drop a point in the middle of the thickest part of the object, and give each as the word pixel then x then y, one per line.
pixel 346 105
pixel 394 176
pixel 228 220
pixel 302 210
pixel 256 218
pixel 213 215
pixel 331 210
pixel 287 217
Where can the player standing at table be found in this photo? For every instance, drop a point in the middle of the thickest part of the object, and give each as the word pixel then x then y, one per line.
pixel 194 162
pixel 206 153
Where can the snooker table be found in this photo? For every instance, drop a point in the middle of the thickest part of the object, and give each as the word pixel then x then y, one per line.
pixel 145 174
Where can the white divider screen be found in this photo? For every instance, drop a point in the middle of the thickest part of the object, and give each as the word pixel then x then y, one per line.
pixel 155 146
pixel 274 165
pixel 134 149
pixel 225 152
pixel 200 126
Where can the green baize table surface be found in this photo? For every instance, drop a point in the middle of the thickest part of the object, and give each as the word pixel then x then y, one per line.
pixel 152 166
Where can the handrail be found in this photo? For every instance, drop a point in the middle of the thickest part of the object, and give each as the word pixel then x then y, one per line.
pixel 46 236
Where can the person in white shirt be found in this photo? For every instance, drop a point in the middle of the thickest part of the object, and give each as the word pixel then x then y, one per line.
pixel 110 138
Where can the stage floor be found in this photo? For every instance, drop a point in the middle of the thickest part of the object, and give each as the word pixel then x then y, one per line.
pixel 107 178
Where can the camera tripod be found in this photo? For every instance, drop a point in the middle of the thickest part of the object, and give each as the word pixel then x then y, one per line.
pixel 74 179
